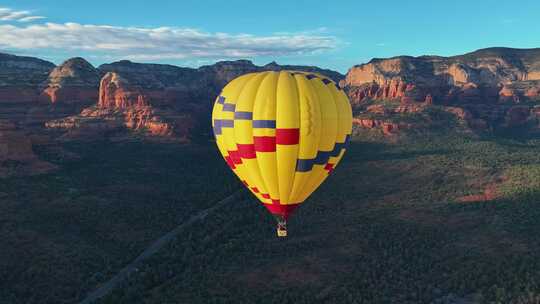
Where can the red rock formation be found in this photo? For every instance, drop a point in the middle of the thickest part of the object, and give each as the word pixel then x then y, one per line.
pixel 386 122
pixel 484 76
pixel 366 123
pixel 129 103
pixel 99 120
pixel 145 118
pixel 73 82
pixel 116 92
pixel 392 89
pixel 387 127
pixel 161 100
pixel 21 81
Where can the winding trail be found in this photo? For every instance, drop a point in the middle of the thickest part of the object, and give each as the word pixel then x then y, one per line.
pixel 108 286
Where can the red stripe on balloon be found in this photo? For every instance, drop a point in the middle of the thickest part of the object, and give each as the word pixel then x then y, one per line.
pixel 246 150
pixel 287 136
pixel 255 189
pixel 235 157
pixel 264 143
pixel 265 195
pixel 329 167
pixel 230 162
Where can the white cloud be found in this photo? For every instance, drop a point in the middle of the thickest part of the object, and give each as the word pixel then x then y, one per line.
pixel 30 18
pixel 7 14
pixel 140 43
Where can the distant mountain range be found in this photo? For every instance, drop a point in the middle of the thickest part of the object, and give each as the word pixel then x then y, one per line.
pixel 486 75
pixel 159 99
pixel 170 101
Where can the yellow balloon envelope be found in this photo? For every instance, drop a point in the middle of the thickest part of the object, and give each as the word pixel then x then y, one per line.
pixel 282 133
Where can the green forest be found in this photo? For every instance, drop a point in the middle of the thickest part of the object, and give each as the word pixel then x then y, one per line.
pixel 429 218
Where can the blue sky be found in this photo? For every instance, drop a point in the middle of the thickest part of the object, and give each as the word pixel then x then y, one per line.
pixel 322 33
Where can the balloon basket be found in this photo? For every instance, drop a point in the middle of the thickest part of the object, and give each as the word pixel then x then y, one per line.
pixel 281 226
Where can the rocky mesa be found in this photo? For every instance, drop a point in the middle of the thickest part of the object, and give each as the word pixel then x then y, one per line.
pixel 496 87
pixel 484 76
pixel 162 100
pixel 74 81
pixel 492 87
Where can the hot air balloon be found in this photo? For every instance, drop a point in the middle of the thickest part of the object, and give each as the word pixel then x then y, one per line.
pixel 282 133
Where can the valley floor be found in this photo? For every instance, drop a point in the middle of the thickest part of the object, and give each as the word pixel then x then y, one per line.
pixel 427 219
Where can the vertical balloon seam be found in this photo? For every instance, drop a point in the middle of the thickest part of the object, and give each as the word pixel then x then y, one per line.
pixel 243 175
pixel 287 80
pixel 348 126
pixel 256 179
pixel 346 129
pixel 247 177
pixel 328 166
pixel 238 170
pixel 316 102
pixel 311 101
pixel 276 199
pixel 319 172
pixel 309 179
pixel 241 170
pixel 257 159
pixel 299 101
pixel 323 156
pixel 316 173
pixel 294 82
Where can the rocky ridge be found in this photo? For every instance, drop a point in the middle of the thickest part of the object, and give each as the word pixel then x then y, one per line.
pixel 20 77
pixel 74 81
pixel 497 87
pixel 487 75
pixel 161 100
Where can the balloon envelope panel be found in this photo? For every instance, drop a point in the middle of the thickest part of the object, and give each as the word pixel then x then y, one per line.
pixel 282 133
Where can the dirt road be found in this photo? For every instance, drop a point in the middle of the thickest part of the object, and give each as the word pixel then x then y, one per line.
pixel 108 286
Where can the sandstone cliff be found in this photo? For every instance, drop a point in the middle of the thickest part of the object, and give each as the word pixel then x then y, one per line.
pixel 21 81
pixel 74 81
pixel 161 100
pixel 489 84
pixel 484 76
